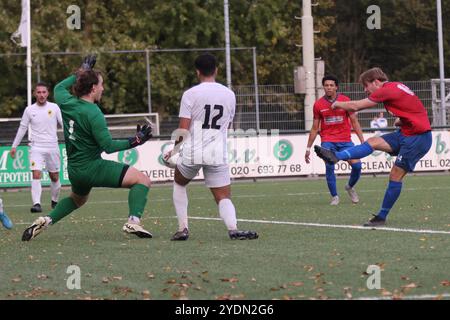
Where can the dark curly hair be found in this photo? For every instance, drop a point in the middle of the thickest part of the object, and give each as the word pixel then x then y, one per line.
pixel 206 64
pixel 330 77
pixel 85 80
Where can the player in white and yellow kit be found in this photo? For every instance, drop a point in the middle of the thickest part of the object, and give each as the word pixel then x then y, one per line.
pixel 42 119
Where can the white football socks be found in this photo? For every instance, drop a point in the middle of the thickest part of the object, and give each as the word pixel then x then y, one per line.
pixel 134 220
pixel 55 188
pixel 180 202
pixel 36 190
pixel 228 213
pixel 1 206
pixel 48 221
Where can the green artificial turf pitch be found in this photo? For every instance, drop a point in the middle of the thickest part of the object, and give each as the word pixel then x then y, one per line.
pixel 307 249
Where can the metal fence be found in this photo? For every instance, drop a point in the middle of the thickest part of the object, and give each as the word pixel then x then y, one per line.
pixel 280 108
pixel 258 106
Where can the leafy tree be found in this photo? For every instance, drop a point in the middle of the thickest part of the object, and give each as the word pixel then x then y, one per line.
pixel 406 45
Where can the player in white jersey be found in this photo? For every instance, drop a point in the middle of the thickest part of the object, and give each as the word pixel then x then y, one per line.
pixel 206 112
pixel 42 119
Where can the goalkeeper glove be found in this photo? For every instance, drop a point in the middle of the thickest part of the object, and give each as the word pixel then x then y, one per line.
pixel 89 62
pixel 142 135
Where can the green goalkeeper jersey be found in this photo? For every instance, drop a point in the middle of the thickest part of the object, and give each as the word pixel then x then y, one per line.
pixel 85 130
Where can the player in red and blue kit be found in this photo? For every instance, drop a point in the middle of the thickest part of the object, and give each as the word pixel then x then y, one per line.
pixel 409 144
pixel 335 133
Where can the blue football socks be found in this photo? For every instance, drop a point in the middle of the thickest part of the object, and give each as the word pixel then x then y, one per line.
pixel 358 152
pixel 391 195
pixel 355 174
pixel 331 179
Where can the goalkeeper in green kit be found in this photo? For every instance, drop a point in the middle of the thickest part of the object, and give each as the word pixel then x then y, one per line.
pixel 87 136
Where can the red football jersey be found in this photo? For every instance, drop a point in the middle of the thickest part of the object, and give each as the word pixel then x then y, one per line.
pixel 403 103
pixel 334 124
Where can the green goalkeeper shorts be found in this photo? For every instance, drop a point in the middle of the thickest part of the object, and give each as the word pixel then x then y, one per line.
pixel 98 173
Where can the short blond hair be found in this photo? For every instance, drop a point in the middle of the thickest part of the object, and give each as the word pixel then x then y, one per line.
pixel 372 75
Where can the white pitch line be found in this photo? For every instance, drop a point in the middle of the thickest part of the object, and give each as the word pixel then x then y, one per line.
pixel 293 223
pixel 242 196
pixel 161 200
pixel 325 225
pixel 367 191
pixel 412 297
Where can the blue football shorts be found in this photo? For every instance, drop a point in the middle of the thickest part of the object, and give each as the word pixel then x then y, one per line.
pixel 337 146
pixel 408 149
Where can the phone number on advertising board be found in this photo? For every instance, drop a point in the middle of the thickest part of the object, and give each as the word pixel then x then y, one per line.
pixel 266 169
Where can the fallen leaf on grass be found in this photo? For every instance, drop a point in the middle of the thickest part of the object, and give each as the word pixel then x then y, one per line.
pixel 308 268
pixel 297 284
pixel 386 293
pixel 38 292
pixel 16 279
pixel 179 295
pixel 274 289
pixel 228 296
pixel 229 280
pixel 348 293
pixel 122 290
pixel 410 286
pixel 445 283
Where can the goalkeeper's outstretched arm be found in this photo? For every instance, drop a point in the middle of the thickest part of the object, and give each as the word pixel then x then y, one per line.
pixel 61 90
pixel 103 137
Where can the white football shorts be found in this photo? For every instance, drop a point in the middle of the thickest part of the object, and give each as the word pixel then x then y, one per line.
pixel 41 158
pixel 215 176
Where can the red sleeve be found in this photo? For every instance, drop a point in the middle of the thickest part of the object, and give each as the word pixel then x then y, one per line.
pixel 316 111
pixel 381 95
